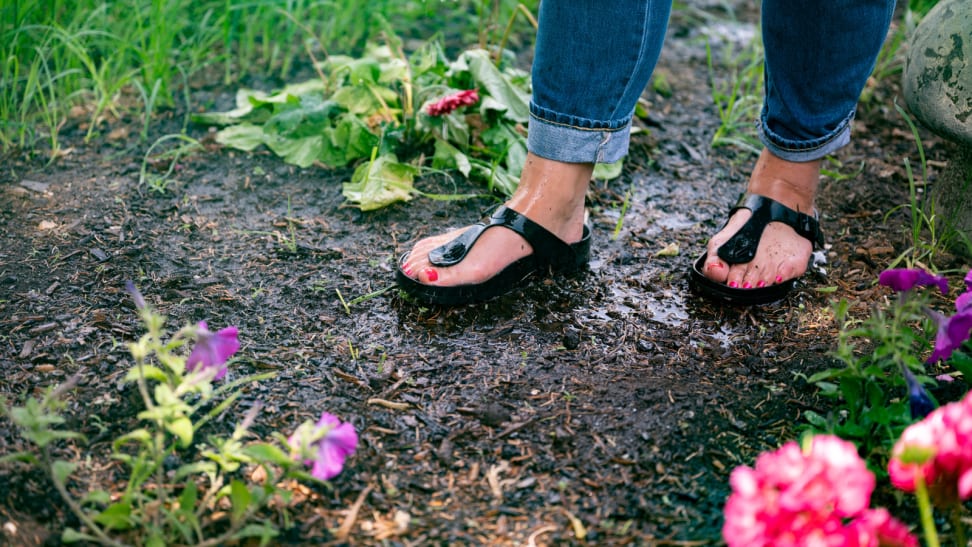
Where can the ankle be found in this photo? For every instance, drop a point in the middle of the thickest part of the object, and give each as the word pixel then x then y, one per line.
pixel 793 184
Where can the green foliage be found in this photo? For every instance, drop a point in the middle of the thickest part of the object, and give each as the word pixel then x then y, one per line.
pixel 177 477
pixel 97 59
pixel 372 109
pixel 871 410
pixel 931 237
pixel 739 97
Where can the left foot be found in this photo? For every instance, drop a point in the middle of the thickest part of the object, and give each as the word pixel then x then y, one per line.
pixel 782 254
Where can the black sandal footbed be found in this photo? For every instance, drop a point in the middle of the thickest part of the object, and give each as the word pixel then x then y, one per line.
pixel 741 248
pixel 549 253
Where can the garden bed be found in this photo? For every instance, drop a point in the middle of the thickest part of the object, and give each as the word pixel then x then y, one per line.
pixel 612 404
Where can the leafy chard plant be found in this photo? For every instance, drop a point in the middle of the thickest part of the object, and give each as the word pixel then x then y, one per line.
pixel 392 115
pixel 182 489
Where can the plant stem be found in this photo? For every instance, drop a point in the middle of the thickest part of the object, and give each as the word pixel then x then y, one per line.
pixel 925 510
pixel 958 525
pixel 73 505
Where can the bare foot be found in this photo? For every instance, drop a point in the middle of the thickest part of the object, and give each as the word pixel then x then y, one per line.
pixel 782 253
pixel 550 193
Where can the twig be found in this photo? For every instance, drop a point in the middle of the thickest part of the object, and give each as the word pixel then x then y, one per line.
pixel 345 530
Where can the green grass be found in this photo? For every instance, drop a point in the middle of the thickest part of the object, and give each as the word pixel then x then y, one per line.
pixel 99 60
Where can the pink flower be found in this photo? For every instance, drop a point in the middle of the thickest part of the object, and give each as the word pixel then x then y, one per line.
pixel 939 450
pixel 798 497
pixel 212 350
pixel 449 103
pixel 877 528
pixel 325 445
pixel 905 279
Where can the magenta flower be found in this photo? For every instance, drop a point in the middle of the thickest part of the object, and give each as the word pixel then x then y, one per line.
pixel 951 334
pixel 905 279
pixel 877 528
pixel 798 497
pixel 449 103
pixel 945 436
pixel 324 446
pixel 212 350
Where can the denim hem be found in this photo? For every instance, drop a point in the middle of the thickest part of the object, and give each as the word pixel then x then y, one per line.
pixel 571 144
pixel 808 150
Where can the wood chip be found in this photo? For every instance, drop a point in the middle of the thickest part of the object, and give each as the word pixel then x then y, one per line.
pixel 389 404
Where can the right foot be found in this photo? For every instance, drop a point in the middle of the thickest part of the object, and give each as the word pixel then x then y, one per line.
pixel 550 193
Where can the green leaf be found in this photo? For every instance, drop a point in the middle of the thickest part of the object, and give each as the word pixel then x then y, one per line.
pixel 240 499
pixel 379 183
pixel 188 497
pixel 608 171
pixel 449 157
pixel 262 452
pixel 961 362
pixel 155 540
pixel 116 517
pixel 244 107
pixel 816 420
pixel 150 373
pixel 357 100
pixel 301 152
pixel 141 436
pixel 192 468
pixel 181 427
pixel 485 73
pixel 263 531
pixel 96 497
pixel 164 396
pixel 309 118
pixel 60 470
pixel 70 535
pixel 25 457
pixel 244 137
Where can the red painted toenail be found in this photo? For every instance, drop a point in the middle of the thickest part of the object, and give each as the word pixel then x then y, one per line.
pixel 779 279
pixel 431 274
pixel 746 285
pixel 761 284
pixel 407 270
pixel 732 284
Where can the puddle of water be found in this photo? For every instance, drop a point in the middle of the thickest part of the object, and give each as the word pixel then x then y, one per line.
pixel 669 310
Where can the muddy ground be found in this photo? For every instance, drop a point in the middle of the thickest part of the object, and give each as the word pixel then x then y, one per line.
pixel 614 401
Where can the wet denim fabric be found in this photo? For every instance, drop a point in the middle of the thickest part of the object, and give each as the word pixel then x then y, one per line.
pixel 593 59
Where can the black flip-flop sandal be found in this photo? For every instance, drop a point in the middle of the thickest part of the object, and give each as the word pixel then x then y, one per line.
pixel 549 253
pixel 741 248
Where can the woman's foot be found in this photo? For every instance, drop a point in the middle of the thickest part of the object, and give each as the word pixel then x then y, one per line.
pixel 782 254
pixel 550 193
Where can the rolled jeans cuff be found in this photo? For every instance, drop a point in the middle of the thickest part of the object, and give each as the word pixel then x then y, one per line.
pixel 805 150
pixel 575 144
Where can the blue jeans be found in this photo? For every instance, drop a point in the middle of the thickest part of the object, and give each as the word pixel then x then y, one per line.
pixel 593 59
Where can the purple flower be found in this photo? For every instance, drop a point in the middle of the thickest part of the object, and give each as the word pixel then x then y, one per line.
pixel 325 446
pixel 919 401
pixel 964 301
pixel 136 295
pixel 905 279
pixel 952 332
pixel 212 349
pixel 968 281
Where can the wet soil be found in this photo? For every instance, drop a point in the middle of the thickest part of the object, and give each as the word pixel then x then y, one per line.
pixel 612 403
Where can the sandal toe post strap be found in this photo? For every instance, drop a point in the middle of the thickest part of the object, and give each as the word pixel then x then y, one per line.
pixel 547 248
pixel 741 247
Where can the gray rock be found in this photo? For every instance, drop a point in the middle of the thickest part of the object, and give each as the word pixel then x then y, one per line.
pixel 938 71
pixel 938 91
